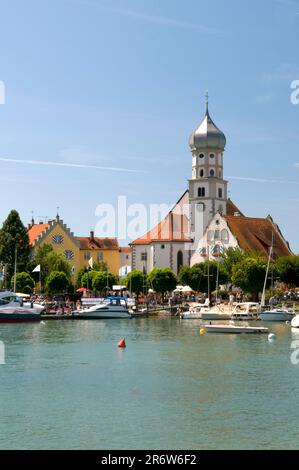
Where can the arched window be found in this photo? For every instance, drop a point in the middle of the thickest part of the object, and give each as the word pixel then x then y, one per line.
pixel 212 173
pixel 201 173
pixel 179 261
pixel 200 207
pixel 224 236
pixel 201 192
pixel 220 193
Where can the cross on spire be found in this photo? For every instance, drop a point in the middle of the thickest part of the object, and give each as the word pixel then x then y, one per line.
pixel 207 101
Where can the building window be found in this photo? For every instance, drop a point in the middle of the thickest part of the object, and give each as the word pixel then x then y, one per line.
pixel 212 173
pixel 179 261
pixel 201 173
pixel 200 207
pixel 201 155
pixel 57 239
pixel 201 192
pixel 210 236
pixel 162 247
pixel 212 155
pixel 220 193
pixel 100 256
pixel 217 235
pixel 144 256
pixel 224 236
pixel 127 256
pixel 68 254
pixel 87 255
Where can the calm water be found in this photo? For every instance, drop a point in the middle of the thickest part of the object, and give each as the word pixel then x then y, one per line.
pixel 66 385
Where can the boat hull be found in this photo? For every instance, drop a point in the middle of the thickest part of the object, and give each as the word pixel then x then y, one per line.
pixel 230 329
pixel 276 316
pixel 19 317
pixel 295 322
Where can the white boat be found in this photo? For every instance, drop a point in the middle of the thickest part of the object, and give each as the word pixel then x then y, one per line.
pixel 295 321
pixel 10 299
pixel 112 307
pixel 246 311
pixel 201 312
pixel 222 328
pixel 277 314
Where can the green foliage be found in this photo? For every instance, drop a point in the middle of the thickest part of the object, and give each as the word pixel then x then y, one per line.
pixel 100 266
pixel 57 282
pixel 162 280
pixel 87 278
pixel 197 276
pixel 135 281
pixel 101 281
pixel 14 234
pixel 249 274
pixel 24 284
pixel 230 257
pixel 50 261
pixel 288 270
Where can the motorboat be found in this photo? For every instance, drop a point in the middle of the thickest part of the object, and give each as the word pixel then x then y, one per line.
pixel 234 329
pixel 246 311
pixel 277 314
pixel 295 321
pixel 201 312
pixel 111 307
pixel 14 310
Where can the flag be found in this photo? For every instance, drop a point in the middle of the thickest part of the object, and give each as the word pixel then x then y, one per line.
pixel 36 269
pixel 90 262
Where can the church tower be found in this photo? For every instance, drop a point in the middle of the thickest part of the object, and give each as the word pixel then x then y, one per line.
pixel 207 188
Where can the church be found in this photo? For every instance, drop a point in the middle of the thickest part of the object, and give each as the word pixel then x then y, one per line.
pixel 204 221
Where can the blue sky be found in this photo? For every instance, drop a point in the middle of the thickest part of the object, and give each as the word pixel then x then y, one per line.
pixel 121 84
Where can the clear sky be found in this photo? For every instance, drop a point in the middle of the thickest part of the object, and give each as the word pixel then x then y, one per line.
pixel 121 84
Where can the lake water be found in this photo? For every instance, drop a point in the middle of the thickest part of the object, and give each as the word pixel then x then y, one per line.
pixel 66 385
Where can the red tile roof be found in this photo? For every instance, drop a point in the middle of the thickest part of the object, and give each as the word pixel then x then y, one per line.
pixel 35 231
pixel 231 208
pixel 125 249
pixel 174 227
pixel 254 234
pixel 95 243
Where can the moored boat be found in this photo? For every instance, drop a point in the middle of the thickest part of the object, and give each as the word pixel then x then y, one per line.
pixel 112 307
pixel 235 329
pixel 18 315
pixel 277 314
pixel 295 321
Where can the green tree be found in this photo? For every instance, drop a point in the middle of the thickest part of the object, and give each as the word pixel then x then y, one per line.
pixel 102 281
pixel 162 280
pixel 87 278
pixel 135 281
pixel 57 282
pixel 13 234
pixel 249 275
pixel 24 283
pixel 229 258
pixel 287 269
pixel 50 261
pixel 100 266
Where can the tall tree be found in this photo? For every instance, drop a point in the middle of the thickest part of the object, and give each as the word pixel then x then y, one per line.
pixel 162 280
pixel 101 281
pixel 249 275
pixel 287 269
pixel 57 282
pixel 135 281
pixel 24 283
pixel 13 235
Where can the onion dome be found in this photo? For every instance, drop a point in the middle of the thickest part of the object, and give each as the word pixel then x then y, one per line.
pixel 207 135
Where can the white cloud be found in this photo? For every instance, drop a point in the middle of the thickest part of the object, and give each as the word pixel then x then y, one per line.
pixel 261 180
pixel 69 165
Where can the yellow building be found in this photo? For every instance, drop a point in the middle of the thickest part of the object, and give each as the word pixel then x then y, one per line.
pixel 76 250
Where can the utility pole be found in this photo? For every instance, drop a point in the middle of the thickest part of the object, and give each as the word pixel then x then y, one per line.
pixel 15 271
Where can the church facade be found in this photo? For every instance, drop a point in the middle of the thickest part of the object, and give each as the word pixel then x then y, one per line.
pixel 205 222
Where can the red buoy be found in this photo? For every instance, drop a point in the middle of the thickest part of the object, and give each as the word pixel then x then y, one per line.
pixel 122 343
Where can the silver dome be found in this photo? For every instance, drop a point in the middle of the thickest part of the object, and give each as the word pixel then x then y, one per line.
pixel 207 135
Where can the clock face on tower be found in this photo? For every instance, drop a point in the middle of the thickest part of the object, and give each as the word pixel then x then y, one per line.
pixel 57 239
pixel 68 254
